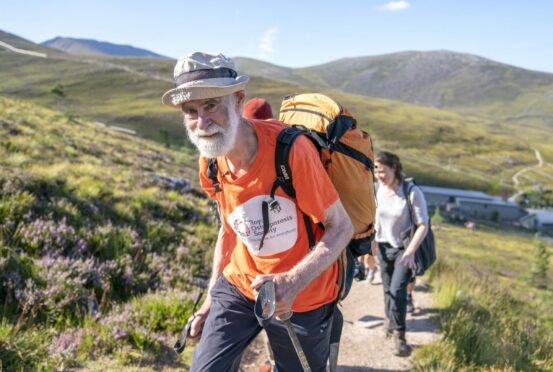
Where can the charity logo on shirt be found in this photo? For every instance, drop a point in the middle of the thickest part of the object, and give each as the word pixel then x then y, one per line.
pixel 247 222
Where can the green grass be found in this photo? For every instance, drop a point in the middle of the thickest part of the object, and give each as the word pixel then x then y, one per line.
pixel 101 182
pixel 438 147
pixel 67 181
pixel 492 318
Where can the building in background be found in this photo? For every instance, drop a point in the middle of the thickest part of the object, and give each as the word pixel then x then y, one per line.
pixel 466 204
pixel 539 219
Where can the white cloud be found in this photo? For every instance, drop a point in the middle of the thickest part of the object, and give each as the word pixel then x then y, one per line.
pixel 394 6
pixel 266 43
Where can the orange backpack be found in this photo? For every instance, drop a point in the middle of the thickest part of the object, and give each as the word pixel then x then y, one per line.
pixel 347 155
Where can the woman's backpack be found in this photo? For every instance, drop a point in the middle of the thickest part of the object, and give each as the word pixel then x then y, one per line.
pixel 425 254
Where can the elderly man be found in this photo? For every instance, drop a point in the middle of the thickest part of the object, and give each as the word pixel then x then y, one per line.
pixel 242 153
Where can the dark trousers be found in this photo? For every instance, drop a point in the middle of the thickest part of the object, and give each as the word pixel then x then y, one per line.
pixel 395 277
pixel 231 325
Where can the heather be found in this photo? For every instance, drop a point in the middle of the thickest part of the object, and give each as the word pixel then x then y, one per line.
pixel 98 245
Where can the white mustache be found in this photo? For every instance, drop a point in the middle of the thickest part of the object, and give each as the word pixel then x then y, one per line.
pixel 209 131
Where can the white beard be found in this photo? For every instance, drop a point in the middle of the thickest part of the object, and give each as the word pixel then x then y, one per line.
pixel 219 141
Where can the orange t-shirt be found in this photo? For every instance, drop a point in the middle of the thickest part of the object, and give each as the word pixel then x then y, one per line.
pixel 287 242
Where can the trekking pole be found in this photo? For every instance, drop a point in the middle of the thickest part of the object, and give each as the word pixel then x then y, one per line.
pixel 295 341
pixel 265 306
pixel 181 341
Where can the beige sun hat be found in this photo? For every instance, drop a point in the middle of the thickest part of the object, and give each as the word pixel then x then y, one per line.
pixel 202 75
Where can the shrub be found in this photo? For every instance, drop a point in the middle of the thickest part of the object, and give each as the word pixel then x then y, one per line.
pixel 162 313
pixel 48 237
pixel 437 217
pixel 23 351
pixel 58 90
pixel 540 264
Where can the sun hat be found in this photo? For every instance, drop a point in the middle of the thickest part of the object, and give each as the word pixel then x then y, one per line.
pixel 202 75
pixel 257 108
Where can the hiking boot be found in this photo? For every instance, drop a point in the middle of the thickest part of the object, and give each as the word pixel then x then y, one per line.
pixel 371 274
pixel 410 305
pixel 401 348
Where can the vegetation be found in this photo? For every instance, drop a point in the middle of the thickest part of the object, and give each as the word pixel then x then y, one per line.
pixel 97 252
pixel 490 318
pixel 540 198
pixel 540 264
pixel 438 147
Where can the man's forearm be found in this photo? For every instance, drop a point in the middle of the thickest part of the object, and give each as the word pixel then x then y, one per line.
pixel 217 268
pixel 338 232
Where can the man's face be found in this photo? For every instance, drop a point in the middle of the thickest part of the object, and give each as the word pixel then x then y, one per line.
pixel 212 124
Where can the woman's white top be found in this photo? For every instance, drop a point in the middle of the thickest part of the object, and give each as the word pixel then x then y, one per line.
pixel 392 213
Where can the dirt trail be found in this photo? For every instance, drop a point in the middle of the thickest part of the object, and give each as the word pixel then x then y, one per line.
pixel 522 171
pixel 22 51
pixel 364 346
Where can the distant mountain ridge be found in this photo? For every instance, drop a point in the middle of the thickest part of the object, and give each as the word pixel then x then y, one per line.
pixel 435 78
pixel 442 79
pixel 95 47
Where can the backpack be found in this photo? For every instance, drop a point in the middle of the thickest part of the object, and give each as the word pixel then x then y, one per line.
pixel 426 252
pixel 347 155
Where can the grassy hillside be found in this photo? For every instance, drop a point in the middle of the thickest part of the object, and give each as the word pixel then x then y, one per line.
pixel 97 255
pixel 434 78
pixel 97 89
pixel 21 43
pixel 253 67
pixel 515 101
pixel 438 147
pixel 493 316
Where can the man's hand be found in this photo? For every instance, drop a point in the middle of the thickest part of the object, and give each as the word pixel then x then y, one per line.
pixel 285 290
pixel 199 319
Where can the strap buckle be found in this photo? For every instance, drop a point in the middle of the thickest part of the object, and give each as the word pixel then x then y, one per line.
pixel 273 204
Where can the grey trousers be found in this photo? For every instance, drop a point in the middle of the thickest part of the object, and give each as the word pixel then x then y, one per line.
pixel 395 277
pixel 231 326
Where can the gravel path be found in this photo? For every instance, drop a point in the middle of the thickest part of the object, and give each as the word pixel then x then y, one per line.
pixel 364 346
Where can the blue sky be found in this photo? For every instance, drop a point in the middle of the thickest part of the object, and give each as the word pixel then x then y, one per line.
pixel 299 33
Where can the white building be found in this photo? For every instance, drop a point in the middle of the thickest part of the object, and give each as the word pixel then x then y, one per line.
pixel 467 204
pixel 539 219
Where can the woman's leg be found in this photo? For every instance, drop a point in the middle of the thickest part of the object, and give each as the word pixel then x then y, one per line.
pixel 386 272
pixel 410 288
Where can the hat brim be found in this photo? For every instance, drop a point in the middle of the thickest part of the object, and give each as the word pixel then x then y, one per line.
pixel 202 89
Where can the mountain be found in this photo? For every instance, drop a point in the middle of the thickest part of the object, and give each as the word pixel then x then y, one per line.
pixel 443 79
pixel 439 147
pixel 435 78
pixel 94 47
pixel 254 67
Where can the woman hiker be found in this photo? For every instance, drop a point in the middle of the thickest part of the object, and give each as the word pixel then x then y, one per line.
pixel 396 261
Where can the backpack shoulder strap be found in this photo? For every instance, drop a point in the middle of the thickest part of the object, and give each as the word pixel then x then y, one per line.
pixel 211 173
pixel 284 142
pixel 407 185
